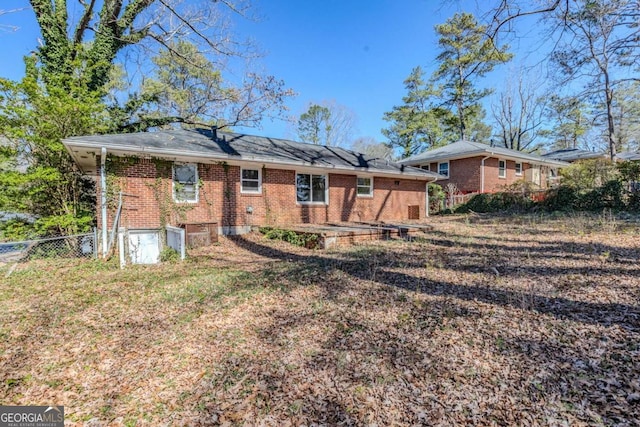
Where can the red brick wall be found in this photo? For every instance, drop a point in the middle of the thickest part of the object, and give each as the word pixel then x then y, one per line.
pixel 391 199
pixel 492 182
pixel 220 199
pixel 465 173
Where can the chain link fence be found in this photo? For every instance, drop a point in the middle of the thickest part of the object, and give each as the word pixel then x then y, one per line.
pixel 76 246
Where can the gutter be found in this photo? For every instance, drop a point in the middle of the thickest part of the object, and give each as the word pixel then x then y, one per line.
pixel 103 198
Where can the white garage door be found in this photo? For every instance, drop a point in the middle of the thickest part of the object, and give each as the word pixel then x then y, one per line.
pixel 144 247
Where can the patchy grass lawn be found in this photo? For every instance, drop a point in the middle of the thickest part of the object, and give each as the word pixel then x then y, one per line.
pixel 486 320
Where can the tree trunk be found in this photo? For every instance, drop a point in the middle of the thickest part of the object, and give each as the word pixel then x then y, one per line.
pixel 610 124
pixel 460 105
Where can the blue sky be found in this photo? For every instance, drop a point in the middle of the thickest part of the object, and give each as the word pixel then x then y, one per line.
pixel 356 53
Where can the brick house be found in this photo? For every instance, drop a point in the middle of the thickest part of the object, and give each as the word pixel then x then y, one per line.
pixel 572 155
pixel 479 168
pixel 630 156
pixel 237 181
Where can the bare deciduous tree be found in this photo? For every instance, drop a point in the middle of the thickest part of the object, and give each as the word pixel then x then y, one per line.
pixel 370 147
pixel 89 43
pixel 518 115
pixel 506 13
pixel 326 123
pixel 103 29
pixel 591 57
pixel 592 41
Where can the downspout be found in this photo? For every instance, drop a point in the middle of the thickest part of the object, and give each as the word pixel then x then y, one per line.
pixel 426 207
pixel 482 174
pixel 103 198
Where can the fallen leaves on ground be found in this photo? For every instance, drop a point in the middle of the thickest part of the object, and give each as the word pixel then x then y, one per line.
pixel 483 321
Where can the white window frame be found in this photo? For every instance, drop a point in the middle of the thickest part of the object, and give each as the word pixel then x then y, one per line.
pixel 326 188
pixel 370 186
pixel 251 191
pixel 196 184
pixel 502 174
pixel 520 172
pixel 448 169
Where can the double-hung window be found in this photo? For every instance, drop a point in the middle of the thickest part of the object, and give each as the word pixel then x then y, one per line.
pixel 443 169
pixel 185 182
pixel 518 169
pixel 251 181
pixel 502 168
pixel 311 188
pixel 365 186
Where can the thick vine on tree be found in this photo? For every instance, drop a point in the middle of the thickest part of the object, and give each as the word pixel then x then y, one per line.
pixel 69 77
pixel 111 29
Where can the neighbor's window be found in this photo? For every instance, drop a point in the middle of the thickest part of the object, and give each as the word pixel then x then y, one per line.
pixel 502 169
pixel 425 167
pixel 251 181
pixel 443 169
pixel 518 169
pixel 365 186
pixel 185 182
pixel 311 188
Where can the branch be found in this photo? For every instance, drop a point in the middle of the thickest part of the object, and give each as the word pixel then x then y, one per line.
pixel 505 6
pixel 132 11
pixel 145 123
pixel 11 27
pixel 233 8
pixel 193 28
pixel 84 22
pixel 173 51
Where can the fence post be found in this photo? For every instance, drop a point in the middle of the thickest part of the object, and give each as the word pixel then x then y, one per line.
pixel 183 243
pixel 95 242
pixel 121 251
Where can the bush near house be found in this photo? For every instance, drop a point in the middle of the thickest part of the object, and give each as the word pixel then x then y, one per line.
pixel 589 174
pixel 516 197
pixel 496 202
pixel 306 240
pixel 592 185
pixel 436 198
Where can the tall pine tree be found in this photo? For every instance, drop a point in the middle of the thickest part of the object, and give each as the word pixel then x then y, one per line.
pixel 466 55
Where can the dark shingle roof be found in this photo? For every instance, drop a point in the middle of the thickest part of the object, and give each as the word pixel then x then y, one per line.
pixel 464 149
pixel 574 154
pixel 228 146
pixel 629 155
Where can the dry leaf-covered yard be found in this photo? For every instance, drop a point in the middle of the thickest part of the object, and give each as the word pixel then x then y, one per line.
pixel 483 321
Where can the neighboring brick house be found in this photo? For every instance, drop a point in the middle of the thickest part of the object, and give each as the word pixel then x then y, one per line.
pixel 572 155
pixel 628 156
pixel 238 181
pixel 479 168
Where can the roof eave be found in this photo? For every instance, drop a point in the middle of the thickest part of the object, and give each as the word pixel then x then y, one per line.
pixel 152 152
pixel 476 153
